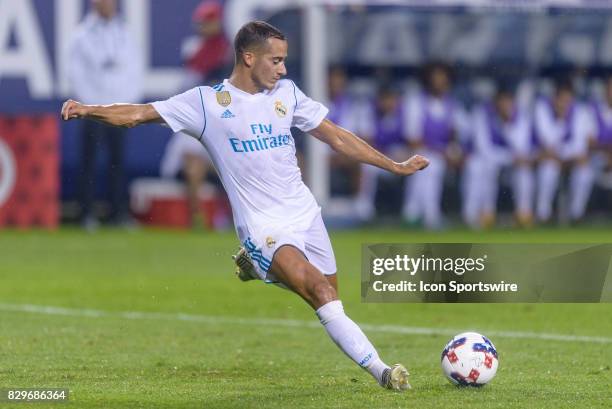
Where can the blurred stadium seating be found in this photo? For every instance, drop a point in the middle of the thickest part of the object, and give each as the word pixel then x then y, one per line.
pixel 526 44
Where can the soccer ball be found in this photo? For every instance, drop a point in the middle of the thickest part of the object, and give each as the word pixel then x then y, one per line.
pixel 469 359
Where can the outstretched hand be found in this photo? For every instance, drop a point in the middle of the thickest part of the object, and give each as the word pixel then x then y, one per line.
pixel 412 165
pixel 72 110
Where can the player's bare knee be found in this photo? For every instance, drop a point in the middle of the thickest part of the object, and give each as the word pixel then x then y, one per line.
pixel 321 292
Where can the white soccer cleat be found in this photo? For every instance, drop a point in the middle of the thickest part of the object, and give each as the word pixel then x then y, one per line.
pixel 396 378
pixel 245 270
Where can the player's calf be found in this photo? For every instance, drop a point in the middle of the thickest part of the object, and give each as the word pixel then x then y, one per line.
pixel 290 266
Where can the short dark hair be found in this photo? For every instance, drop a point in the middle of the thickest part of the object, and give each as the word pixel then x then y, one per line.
pixel 254 35
pixel 430 67
pixel 564 83
pixel 505 87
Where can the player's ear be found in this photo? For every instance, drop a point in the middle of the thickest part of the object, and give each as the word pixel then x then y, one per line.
pixel 249 58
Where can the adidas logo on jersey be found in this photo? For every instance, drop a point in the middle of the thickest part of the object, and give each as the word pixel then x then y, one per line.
pixel 227 114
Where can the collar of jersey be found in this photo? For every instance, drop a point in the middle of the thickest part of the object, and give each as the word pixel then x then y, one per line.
pixel 228 85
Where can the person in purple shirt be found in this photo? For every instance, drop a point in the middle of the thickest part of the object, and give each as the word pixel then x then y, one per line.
pixel 602 142
pixel 389 131
pixel 502 139
pixel 564 129
pixel 353 112
pixel 434 121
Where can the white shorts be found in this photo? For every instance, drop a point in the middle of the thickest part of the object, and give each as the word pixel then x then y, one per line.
pixel 313 242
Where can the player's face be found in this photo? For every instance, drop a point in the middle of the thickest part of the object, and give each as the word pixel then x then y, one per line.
pixel 269 64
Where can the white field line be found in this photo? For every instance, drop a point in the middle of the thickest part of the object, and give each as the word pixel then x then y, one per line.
pixel 278 322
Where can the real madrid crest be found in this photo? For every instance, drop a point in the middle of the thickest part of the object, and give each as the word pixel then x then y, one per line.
pixel 270 242
pixel 224 98
pixel 280 109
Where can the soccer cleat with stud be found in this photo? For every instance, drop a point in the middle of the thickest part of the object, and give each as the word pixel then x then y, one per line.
pixel 245 270
pixel 396 378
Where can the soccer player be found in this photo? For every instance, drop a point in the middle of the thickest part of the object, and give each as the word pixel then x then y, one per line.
pixel 244 124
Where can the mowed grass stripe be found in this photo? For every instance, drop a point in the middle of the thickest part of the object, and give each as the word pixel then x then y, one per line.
pixel 276 322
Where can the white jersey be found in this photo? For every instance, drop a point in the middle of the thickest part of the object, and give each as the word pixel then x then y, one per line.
pixel 249 141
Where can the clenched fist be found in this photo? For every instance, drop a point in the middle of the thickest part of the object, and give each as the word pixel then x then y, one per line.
pixel 73 109
pixel 412 165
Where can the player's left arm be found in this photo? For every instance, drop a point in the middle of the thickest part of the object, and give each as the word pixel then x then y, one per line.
pixel 350 145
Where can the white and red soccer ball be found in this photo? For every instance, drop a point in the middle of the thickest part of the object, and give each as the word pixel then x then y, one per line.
pixel 469 359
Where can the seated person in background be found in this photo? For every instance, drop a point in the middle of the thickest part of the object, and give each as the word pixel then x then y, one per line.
pixel 206 56
pixel 434 121
pixel 502 139
pixel 350 112
pixel 563 131
pixel 603 127
pixel 389 139
pixel 185 158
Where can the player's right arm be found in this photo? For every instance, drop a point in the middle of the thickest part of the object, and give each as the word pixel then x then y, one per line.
pixel 122 115
pixel 350 145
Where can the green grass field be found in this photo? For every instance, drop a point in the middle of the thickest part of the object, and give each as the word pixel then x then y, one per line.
pixel 156 319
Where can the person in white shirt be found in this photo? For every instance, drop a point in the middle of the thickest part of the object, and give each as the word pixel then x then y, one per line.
pixel 244 123
pixel 388 137
pixel 355 113
pixel 564 129
pixel 103 67
pixel 502 139
pixel 434 123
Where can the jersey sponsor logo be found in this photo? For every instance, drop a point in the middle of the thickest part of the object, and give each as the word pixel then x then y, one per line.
pixel 227 114
pixel 260 143
pixel 223 98
pixel 280 109
pixel 264 140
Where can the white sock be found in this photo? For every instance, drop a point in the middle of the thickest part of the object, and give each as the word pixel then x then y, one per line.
pixel 351 340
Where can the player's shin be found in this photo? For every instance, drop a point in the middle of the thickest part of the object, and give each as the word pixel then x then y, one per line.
pixel 351 339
